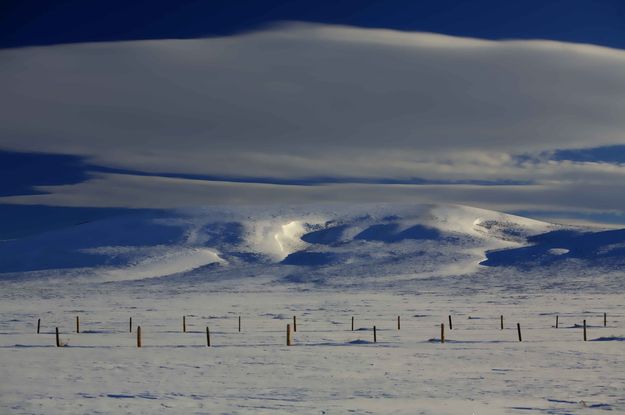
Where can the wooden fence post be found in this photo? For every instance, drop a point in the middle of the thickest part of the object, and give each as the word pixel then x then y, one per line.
pixel 442 332
pixel 518 328
pixel 77 324
pixel 352 323
pixel 58 341
pixel 138 336
pixel 584 330
pixel 398 323
pixel 557 320
pixel 450 326
pixel 501 321
pixel 184 324
pixel 294 324
pixel 38 325
pixel 208 338
pixel 605 319
pixel 239 324
pixel 288 334
pixel 130 325
pixel 375 335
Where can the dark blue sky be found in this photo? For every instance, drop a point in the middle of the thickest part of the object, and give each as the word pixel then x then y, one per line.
pixel 27 23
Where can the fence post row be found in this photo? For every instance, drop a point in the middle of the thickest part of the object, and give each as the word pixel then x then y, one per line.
pixel 289 334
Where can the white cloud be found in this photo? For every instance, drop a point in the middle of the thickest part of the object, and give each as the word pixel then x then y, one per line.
pixel 313 100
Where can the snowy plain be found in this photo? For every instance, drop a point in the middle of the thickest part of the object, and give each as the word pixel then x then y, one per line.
pixel 324 265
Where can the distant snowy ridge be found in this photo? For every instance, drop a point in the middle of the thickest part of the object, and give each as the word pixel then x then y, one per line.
pixel 424 240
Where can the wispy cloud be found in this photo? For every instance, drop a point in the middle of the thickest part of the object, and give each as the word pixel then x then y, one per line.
pixel 131 191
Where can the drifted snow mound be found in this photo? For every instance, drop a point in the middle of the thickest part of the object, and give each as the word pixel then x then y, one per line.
pixel 171 261
pixel 402 239
pixel 275 238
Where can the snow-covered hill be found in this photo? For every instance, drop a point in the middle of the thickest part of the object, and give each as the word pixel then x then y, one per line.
pixel 419 240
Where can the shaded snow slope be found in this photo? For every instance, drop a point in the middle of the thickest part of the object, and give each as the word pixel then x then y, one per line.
pixel 603 248
pixel 419 240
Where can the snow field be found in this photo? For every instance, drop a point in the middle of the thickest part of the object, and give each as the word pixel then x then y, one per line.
pixel 324 265
pixel 330 369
